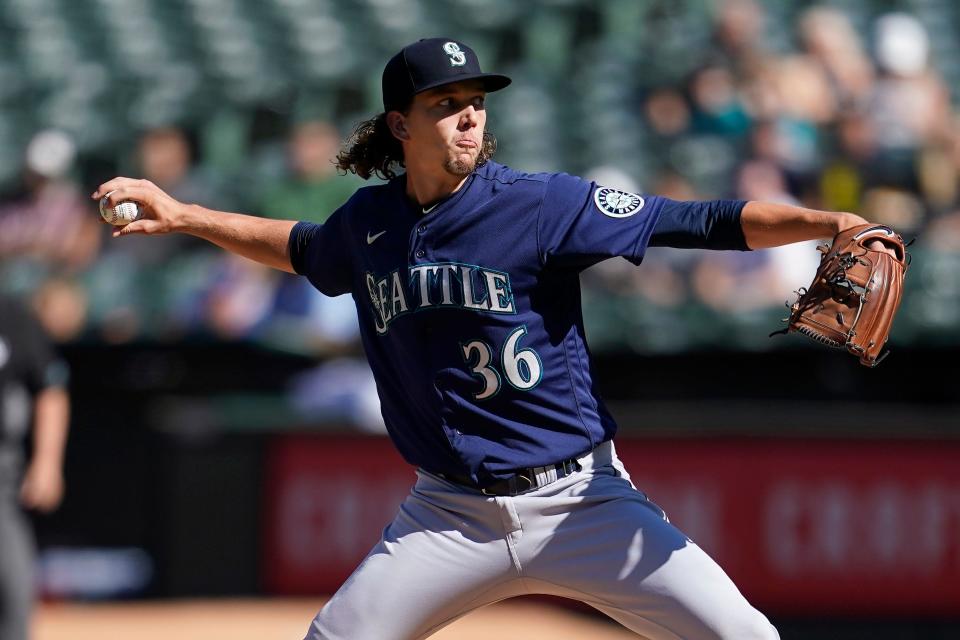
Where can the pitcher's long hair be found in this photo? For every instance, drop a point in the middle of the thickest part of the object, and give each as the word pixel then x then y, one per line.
pixel 373 151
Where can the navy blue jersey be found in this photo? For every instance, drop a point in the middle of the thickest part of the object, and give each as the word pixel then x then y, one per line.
pixel 470 312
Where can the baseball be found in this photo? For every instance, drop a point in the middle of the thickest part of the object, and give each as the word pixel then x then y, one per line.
pixel 124 213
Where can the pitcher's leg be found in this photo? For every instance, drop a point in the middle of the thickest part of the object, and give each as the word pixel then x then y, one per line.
pixel 615 550
pixel 441 557
pixel 695 600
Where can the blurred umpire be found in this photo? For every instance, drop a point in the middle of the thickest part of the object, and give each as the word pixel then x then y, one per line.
pixel 32 389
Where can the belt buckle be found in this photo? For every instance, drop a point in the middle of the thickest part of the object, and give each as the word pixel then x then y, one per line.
pixel 529 481
pixel 515 485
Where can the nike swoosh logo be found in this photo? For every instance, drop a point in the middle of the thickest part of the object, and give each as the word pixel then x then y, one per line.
pixel 373 238
pixel 429 209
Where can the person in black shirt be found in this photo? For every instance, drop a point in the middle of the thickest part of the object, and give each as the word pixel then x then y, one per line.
pixel 32 384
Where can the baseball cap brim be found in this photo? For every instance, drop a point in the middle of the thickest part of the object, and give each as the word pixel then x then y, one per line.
pixel 491 82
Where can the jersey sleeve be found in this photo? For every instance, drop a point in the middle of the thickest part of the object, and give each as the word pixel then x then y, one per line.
pixel 581 223
pixel 320 252
pixel 713 224
pixel 42 367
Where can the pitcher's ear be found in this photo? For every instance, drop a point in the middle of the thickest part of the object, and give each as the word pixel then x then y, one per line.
pixel 397 123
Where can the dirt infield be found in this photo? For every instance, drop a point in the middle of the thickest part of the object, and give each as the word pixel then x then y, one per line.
pixel 288 620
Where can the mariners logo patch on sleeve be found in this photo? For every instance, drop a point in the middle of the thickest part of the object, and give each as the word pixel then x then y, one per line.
pixel 617 204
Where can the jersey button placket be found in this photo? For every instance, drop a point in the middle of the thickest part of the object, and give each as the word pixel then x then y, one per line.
pixel 419 240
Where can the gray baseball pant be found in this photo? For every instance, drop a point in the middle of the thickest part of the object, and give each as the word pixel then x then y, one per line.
pixel 16 567
pixel 591 536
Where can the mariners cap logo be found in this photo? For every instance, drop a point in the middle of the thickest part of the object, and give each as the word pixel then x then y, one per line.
pixel 457 57
pixel 616 203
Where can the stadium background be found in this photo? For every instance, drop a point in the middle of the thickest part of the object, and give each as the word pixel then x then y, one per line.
pixel 225 436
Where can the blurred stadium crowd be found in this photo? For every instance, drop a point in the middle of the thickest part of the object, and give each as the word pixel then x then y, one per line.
pixel 241 104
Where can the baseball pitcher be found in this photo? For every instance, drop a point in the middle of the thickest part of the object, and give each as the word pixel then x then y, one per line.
pixel 465 276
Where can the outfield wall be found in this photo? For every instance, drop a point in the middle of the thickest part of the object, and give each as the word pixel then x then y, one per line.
pixel 805 528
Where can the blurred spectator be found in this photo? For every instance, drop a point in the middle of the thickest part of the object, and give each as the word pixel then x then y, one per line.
pixel 61 307
pixel 899 208
pixel 938 177
pixel 717 105
pixel 50 223
pixel 667 113
pixel 737 282
pixel 239 298
pixel 910 105
pixel 165 157
pixel 312 189
pixel 804 90
pixel 32 393
pixel 131 287
pixel 739 31
pixel 850 169
pixel 943 233
pixel 828 37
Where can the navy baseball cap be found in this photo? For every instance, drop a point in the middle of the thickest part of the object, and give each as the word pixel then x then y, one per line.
pixel 430 63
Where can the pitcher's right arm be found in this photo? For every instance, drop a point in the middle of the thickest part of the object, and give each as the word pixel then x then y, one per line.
pixel 260 239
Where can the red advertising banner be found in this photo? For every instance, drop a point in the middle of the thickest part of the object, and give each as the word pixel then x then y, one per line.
pixel 326 501
pixel 803 527
pixel 818 527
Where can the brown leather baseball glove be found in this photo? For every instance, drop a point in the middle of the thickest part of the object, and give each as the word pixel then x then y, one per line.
pixel 855 294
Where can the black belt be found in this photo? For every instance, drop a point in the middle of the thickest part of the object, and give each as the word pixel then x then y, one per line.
pixel 521 481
